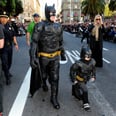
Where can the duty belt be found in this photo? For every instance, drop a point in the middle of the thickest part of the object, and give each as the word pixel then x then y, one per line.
pixel 7 43
pixel 79 78
pixel 49 55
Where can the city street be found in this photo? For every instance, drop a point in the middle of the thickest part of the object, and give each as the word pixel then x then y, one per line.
pixel 102 93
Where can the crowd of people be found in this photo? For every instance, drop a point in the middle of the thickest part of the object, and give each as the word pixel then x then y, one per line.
pixel 45 39
pixel 81 29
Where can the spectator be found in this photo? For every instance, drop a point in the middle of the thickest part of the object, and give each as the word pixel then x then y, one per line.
pixel 96 40
pixel 85 33
pixel 30 27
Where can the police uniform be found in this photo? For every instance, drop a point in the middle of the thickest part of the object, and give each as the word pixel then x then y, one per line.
pixel 2 15
pixel 1 73
pixel 8 51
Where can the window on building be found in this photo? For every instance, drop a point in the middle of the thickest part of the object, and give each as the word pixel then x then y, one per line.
pixel 75 6
pixel 69 6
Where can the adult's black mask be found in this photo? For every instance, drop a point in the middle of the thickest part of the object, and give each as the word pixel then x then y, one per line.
pixel 49 11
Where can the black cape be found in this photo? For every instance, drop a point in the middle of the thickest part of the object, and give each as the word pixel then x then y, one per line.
pixel 35 82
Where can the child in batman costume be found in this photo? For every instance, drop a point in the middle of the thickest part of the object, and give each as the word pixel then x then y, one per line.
pixel 81 72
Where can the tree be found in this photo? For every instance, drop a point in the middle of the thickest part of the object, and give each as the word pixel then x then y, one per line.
pixel 12 7
pixel 112 5
pixel 19 8
pixel 2 4
pixel 93 7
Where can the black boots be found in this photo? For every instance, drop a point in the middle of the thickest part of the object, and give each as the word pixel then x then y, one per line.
pixel 44 86
pixel 8 81
pixel 54 102
pixel 76 91
pixel 54 94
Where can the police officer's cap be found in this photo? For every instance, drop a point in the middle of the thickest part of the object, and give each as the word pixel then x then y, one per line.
pixel 3 14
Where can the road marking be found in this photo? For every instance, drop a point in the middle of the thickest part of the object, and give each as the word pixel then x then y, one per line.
pixel 19 103
pixel 103 104
pixel 106 61
pixel 72 56
pixel 105 49
pixel 75 55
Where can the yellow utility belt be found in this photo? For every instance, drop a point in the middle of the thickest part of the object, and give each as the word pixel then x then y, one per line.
pixel 79 78
pixel 49 55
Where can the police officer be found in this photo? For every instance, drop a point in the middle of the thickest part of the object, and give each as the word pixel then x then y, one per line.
pixel 3 20
pixel 7 51
pixel 47 41
pixel 81 72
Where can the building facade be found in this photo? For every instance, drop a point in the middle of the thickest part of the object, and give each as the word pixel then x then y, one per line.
pixel 30 7
pixel 71 11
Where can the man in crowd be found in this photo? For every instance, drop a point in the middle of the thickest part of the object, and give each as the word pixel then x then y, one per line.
pixel 3 20
pixel 7 52
pixel 36 19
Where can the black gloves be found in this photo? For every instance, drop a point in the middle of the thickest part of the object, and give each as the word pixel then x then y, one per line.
pixel 34 62
pixel 63 58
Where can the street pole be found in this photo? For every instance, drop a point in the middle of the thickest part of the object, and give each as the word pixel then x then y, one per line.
pixel 70 11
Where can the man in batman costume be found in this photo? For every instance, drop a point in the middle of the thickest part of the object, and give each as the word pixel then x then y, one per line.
pixel 82 71
pixel 45 51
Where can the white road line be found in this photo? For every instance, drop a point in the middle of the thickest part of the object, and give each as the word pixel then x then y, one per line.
pixel 19 103
pixel 106 61
pixel 105 49
pixel 103 104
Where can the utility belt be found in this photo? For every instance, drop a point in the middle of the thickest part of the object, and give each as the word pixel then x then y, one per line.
pixel 80 78
pixel 49 55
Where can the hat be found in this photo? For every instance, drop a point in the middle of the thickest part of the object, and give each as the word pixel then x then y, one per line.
pixel 36 15
pixel 3 14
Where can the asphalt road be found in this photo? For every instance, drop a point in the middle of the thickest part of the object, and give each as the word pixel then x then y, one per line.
pixel 102 93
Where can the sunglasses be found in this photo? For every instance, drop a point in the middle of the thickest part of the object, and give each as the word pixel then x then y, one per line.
pixel 97 19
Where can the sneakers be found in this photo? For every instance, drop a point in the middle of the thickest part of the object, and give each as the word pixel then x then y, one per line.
pixel 86 106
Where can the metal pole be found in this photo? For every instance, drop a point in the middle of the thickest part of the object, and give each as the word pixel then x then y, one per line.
pixel 70 11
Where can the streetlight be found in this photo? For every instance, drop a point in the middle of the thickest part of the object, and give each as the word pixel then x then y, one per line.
pixel 70 11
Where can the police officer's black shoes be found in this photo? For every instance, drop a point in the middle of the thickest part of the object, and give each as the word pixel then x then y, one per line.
pixel 10 75
pixel 54 102
pixel 8 82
